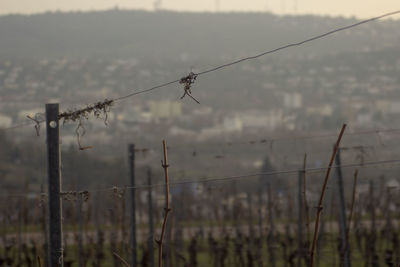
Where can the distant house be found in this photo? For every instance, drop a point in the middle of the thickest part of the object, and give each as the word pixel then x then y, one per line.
pixel 262 119
pixel 292 100
pixel 165 109
pixel 232 124
pixel 321 110
pixel 364 118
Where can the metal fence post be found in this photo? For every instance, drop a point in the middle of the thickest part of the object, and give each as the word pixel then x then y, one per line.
pixel 300 244
pixel 260 192
pixel 151 225
pixel 271 232
pixel 131 151
pixel 250 220
pixel 345 254
pixel 55 249
pixel 81 260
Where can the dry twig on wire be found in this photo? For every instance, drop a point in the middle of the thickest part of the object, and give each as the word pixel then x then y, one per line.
pixel 99 110
pixel 319 207
pixel 73 195
pixel 167 208
pixel 187 82
pixel 80 132
pixel 38 120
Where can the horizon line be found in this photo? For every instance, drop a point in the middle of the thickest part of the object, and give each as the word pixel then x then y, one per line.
pixel 166 10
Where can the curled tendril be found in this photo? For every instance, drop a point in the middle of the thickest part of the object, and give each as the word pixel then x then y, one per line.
pixel 80 132
pixel 99 110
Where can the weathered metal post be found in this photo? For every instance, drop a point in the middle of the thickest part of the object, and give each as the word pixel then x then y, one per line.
pixel 250 221
pixel 271 232
pixel 44 220
pixel 260 192
pixel 345 255
pixel 55 249
pixel 81 261
pixel 300 249
pixel 151 225
pixel 131 151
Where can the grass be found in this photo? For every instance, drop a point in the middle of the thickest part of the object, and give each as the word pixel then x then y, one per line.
pixel 328 255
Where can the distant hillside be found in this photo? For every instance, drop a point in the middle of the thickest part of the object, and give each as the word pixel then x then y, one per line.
pixel 140 34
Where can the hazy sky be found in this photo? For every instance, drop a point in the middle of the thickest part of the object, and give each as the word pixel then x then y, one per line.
pixel 359 8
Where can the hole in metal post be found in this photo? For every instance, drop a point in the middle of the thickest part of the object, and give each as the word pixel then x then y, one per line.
pixel 53 124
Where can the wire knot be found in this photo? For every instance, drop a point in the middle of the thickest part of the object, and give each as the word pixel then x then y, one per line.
pixel 164 165
pixel 61 258
pixel 118 192
pixel 73 195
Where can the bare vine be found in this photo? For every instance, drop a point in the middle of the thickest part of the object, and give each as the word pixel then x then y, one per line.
pixel 167 208
pixel 320 202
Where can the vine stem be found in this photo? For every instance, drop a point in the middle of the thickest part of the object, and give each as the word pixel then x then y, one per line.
pixel 321 199
pixel 167 208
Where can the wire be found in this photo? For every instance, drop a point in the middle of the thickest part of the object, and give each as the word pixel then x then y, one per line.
pixel 246 59
pixel 146 90
pixel 20 125
pixel 298 43
pixel 263 53
pixel 361 150
pixel 226 178
pixel 266 140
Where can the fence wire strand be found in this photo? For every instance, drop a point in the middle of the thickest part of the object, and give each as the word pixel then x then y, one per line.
pixel 222 179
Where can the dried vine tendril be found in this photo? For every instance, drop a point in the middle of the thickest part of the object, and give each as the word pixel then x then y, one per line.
pixel 38 118
pixel 99 110
pixel 187 82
